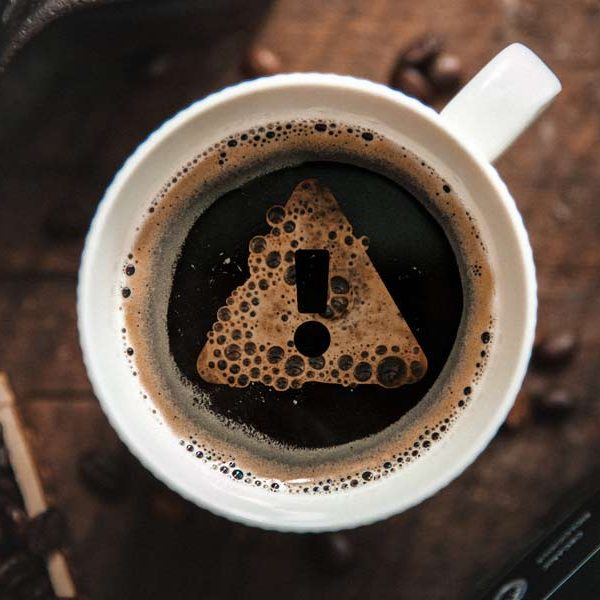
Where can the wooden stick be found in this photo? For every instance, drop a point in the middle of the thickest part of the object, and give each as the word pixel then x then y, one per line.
pixel 29 482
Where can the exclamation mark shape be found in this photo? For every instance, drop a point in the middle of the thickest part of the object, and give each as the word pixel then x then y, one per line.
pixel 312 338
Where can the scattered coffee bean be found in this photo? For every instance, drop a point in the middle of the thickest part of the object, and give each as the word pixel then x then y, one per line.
pixel 555 403
pixel 16 570
pixel 16 521
pixel 37 587
pixel 421 51
pixel 423 71
pixel 413 83
pixel 155 66
pixel 23 574
pixel 46 532
pixel 260 62
pixel 520 413
pixel 334 552
pixel 445 72
pixel 147 64
pixel 556 351
pixel 103 472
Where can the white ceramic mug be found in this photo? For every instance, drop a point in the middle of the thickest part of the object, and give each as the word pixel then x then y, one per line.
pixel 460 143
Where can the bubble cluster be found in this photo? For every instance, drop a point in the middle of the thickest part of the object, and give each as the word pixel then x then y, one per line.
pixel 430 434
pixel 368 341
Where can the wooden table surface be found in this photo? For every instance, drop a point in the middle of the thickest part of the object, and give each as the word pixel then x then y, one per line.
pixel 79 99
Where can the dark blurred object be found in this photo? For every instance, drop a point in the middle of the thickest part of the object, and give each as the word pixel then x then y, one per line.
pixel 150 64
pixel 333 552
pixel 15 521
pixel 104 473
pixel 424 71
pixel 555 403
pixel 556 351
pixel 23 19
pixel 541 399
pixel 564 563
pixel 16 571
pixel 412 82
pixel 445 72
pixel 25 542
pixel 260 62
pixel 46 532
pixel 421 51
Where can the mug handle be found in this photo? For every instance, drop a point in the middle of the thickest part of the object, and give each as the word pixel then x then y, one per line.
pixel 501 101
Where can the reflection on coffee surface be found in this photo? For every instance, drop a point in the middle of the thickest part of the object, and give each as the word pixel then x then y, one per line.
pixel 308 305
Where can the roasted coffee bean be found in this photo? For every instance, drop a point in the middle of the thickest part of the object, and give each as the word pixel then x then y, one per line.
pixel 157 66
pixel 445 72
pixel 421 51
pixel 46 532
pixel 334 552
pixel 103 472
pixel 555 403
pixel 556 351
pixel 413 83
pixel 16 521
pixel 16 570
pixel 260 61
pixel 148 64
pixel 38 587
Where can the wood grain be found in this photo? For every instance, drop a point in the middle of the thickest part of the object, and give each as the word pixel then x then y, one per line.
pixel 87 91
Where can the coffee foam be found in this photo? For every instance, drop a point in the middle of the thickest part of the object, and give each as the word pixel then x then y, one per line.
pixel 236 450
pixel 254 339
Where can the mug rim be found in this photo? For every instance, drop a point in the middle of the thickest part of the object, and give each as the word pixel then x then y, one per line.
pixel 338 83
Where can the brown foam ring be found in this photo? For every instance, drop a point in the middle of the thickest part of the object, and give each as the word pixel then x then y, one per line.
pixel 253 337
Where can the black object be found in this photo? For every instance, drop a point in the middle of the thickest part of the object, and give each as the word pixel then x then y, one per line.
pixel 312 338
pixel 312 270
pixel 104 472
pixel 24 542
pixel 563 564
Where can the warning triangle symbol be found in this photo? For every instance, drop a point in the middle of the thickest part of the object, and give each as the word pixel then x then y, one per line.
pixel 314 308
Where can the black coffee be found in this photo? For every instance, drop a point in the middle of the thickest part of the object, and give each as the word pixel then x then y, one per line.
pixel 409 250
pixel 274 419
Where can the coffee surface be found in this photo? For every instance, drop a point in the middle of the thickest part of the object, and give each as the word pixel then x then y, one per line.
pixel 411 255
pixel 195 248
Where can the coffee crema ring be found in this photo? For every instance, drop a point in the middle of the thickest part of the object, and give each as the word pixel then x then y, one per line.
pixel 337 323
